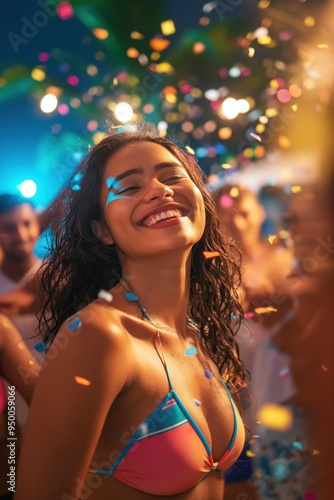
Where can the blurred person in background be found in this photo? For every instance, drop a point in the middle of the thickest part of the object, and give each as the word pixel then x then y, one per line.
pixel 19 231
pixel 280 469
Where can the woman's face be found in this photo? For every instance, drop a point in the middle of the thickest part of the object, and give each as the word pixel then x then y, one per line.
pixel 150 204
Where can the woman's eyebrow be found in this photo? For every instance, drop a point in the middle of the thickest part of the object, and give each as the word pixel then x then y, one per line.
pixel 140 170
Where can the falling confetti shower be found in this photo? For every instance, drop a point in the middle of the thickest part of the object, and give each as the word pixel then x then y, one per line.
pixel 219 84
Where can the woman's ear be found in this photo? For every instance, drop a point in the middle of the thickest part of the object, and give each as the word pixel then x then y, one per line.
pixel 101 232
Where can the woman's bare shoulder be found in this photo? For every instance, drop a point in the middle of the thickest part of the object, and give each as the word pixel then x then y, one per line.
pixel 94 333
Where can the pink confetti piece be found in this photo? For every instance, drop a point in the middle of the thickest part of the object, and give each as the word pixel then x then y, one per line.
pixel 104 295
pixel 248 315
pixel 255 136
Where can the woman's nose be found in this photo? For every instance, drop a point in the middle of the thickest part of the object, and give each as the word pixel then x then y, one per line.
pixel 157 189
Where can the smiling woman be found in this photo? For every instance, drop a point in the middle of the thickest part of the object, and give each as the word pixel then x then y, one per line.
pixel 139 399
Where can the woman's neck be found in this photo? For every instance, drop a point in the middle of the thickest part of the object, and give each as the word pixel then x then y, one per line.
pixel 162 290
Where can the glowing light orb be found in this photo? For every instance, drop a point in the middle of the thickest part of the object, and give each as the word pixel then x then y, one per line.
pixel 230 108
pixel 276 417
pixel 49 103
pixel 27 188
pixel 123 112
pixel 65 11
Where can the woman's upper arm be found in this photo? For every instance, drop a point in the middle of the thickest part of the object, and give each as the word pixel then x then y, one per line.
pixel 80 379
pixel 17 365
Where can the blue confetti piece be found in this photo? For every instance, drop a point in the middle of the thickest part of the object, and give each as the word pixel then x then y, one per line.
pixel 208 374
pixel 190 351
pixel 197 403
pixel 131 297
pixel 40 347
pixel 75 324
pixel 297 445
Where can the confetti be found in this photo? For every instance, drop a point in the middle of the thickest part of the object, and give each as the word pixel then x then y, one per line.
pixel 210 255
pixel 284 372
pixel 167 27
pixel 197 403
pixel 276 417
pixel 131 297
pixel 255 136
pixel 298 445
pixel 40 347
pixel 75 324
pixel 208 374
pixel 225 201
pixel 272 238
pixel 104 295
pixel 82 380
pixel 249 453
pixel 190 351
pixel 264 310
pixel 248 315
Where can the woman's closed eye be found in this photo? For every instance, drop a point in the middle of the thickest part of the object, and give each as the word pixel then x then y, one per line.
pixel 127 189
pixel 174 178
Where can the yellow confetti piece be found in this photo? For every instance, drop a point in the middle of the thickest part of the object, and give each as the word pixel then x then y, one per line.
pixel 309 21
pixel 190 150
pixel 296 189
pixel 249 453
pixel 263 310
pixel 82 380
pixel 210 255
pixel 135 35
pixel 226 166
pixel 164 67
pixel 167 27
pixel 251 52
pixel 38 74
pixel 284 141
pixel 234 192
pixel 100 33
pixel 322 46
pixel 276 417
pixel 159 44
pixel 272 238
pixel 132 53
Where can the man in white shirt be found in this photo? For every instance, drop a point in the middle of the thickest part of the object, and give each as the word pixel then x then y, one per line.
pixel 19 231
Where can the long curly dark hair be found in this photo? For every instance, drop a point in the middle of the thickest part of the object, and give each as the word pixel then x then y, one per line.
pixel 79 265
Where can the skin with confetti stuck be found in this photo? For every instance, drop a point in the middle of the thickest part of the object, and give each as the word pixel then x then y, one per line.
pixel 137 399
